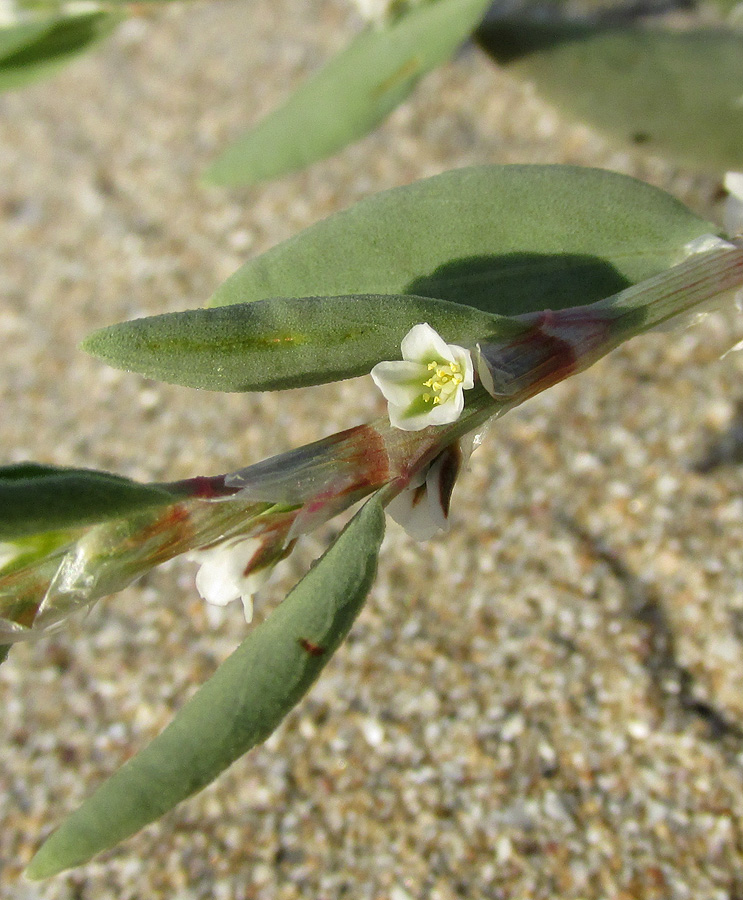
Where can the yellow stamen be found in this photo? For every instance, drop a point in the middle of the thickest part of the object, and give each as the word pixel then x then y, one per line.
pixel 445 379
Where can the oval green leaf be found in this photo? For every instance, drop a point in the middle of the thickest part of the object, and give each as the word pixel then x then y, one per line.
pixel 283 343
pixel 351 94
pixel 670 92
pixel 36 498
pixel 504 239
pixel 240 705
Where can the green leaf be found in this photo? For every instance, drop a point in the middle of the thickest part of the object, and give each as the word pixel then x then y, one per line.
pixel 240 705
pixel 351 94
pixel 504 239
pixel 36 498
pixel 671 92
pixel 13 37
pixel 492 240
pixel 283 343
pixel 29 52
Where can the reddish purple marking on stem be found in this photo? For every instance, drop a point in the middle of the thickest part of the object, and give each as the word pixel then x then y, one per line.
pixel 366 453
pixel 272 550
pixel 558 344
pixel 560 359
pixel 172 530
pixel 582 332
pixel 529 364
pixel 202 487
pixel 28 596
pixel 175 521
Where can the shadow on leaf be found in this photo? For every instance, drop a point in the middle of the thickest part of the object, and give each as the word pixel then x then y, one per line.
pixel 516 283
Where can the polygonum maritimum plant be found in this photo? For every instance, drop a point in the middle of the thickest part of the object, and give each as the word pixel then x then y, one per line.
pixel 464 315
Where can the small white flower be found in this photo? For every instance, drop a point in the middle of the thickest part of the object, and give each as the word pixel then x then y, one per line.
pixel 10 13
pixel 426 387
pixel 81 7
pixel 373 10
pixel 419 508
pixel 8 552
pixel 226 573
pixel 378 12
pixel 733 212
pixel 423 507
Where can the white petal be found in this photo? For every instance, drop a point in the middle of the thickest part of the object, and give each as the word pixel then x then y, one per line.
pixel 400 382
pixel 447 412
pixel 8 552
pixel 419 507
pixel 222 577
pixel 373 10
pixel 424 344
pixel 10 13
pixel 733 216
pixel 441 414
pixel 247 600
pixel 216 584
pixel 733 209
pixel 464 358
pixel 734 184
pixel 486 376
pixel 418 513
pixel 401 371
pixel 251 586
pixel 400 419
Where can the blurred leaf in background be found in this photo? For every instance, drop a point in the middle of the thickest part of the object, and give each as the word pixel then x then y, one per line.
pixel 34 50
pixel 678 93
pixel 350 95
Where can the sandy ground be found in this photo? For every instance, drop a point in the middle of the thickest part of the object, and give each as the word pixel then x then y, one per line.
pixel 561 715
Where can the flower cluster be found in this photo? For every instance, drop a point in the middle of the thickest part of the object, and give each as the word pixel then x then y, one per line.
pixel 424 388
pixel 239 525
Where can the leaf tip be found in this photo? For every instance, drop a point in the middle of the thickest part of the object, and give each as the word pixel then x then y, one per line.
pixel 45 864
pixel 94 343
pixel 73 843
